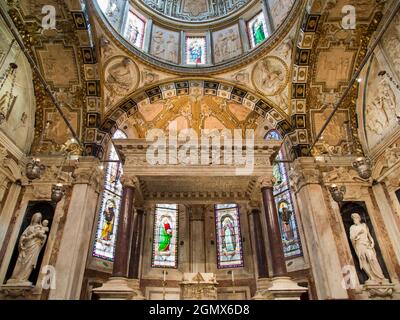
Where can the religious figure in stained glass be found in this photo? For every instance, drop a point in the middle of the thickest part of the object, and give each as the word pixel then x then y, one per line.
pixel 165 236
pixel 257 29
pixel 258 32
pixel 196 50
pixel 284 203
pixel 109 217
pixel 110 205
pixel 229 242
pixel 228 233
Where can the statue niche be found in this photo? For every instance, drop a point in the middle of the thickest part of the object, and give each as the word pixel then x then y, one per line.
pixel 27 257
pixel 365 250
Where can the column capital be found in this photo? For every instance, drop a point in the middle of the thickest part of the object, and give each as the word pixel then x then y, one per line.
pixel 88 171
pixel 304 171
pixel 266 182
pixel 252 206
pixel 130 181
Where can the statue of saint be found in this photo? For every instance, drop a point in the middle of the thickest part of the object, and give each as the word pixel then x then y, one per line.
pixel 29 247
pixel 364 244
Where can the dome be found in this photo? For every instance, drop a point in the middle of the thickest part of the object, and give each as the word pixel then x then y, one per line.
pixel 195 11
pixel 194 36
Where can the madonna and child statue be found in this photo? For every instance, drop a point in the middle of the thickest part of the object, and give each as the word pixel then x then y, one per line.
pixel 29 247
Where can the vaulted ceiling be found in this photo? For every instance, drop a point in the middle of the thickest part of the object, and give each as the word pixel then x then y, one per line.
pixel 292 83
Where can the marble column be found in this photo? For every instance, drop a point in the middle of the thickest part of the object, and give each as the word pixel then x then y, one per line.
pixel 261 257
pixel 281 287
pixel 123 243
pixel 79 220
pixel 315 211
pixel 273 230
pixel 197 244
pixel 137 227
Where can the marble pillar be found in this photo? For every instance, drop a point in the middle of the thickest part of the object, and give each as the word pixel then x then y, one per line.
pixel 261 257
pixel 137 228
pixel 273 229
pixel 75 241
pixel 315 213
pixel 197 245
pixel 124 231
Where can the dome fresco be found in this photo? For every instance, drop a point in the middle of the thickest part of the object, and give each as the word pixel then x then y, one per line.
pixel 194 35
pixel 194 11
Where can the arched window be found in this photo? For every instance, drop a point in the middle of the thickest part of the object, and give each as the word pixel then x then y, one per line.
pixel 229 240
pixel 283 199
pixel 165 236
pixel 110 205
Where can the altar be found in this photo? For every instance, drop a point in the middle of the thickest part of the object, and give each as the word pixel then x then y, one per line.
pixel 199 286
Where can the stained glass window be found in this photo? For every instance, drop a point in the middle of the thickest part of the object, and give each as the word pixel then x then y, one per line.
pixel 109 206
pixel 134 30
pixel 196 50
pixel 283 199
pixel 165 236
pixel 257 29
pixel 229 241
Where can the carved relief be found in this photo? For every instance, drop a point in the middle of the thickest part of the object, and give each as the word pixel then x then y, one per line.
pixel 381 108
pixel 59 65
pixel 381 112
pixel 227 44
pixel 279 10
pixel 58 132
pixel 165 44
pixel 270 76
pixel 121 76
pixel 334 67
pixel 391 44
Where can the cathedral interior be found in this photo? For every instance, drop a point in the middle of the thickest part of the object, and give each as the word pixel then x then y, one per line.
pixel 200 150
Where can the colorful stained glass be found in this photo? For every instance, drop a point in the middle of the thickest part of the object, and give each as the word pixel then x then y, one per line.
pixel 229 241
pixel 165 249
pixel 284 203
pixel 134 30
pixel 196 50
pixel 257 29
pixel 110 206
pixel 273 136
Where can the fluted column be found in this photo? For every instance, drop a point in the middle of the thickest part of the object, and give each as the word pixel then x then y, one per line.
pixel 261 256
pixel 123 243
pixel 274 232
pixel 137 227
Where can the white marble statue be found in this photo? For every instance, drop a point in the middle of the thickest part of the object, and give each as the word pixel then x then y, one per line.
pixel 364 244
pixel 29 247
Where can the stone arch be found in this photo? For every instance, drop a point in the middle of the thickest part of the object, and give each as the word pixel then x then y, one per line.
pixel 276 118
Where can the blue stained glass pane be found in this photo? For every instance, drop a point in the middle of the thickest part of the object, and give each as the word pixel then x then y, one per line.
pixel 196 53
pixel 110 205
pixel 229 241
pixel 165 233
pixel 273 136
